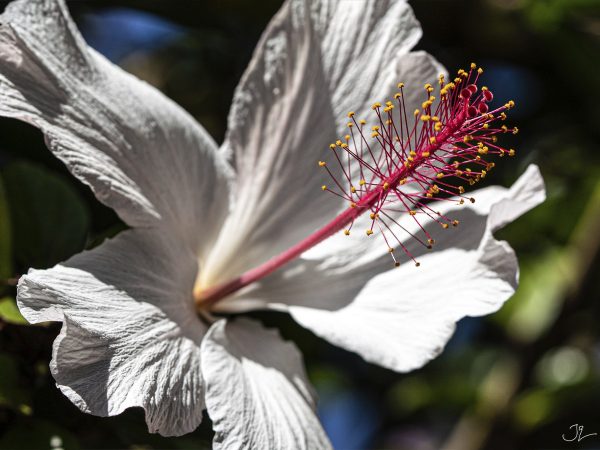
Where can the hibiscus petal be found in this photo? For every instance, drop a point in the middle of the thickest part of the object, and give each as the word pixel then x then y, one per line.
pixel 130 335
pixel 315 62
pixel 402 318
pixel 257 393
pixel 139 152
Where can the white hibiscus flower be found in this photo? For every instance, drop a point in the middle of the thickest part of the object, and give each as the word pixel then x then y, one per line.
pixel 140 312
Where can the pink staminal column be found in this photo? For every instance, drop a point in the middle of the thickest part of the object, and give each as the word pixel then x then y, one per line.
pixel 398 167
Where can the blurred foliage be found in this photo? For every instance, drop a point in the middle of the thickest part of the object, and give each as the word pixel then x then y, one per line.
pixel 516 380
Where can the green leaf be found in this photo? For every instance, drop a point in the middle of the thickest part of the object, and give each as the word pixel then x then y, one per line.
pixel 48 217
pixel 10 313
pixel 5 237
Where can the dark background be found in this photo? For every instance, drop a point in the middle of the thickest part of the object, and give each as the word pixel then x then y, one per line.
pixel 515 380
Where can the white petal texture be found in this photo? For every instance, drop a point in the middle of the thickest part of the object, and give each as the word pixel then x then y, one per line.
pixel 130 335
pixel 315 62
pixel 401 318
pixel 140 153
pixel 258 395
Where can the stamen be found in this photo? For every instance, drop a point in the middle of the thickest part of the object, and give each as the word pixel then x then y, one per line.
pixel 409 162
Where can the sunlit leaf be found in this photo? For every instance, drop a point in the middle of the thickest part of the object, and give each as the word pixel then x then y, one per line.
pixel 10 313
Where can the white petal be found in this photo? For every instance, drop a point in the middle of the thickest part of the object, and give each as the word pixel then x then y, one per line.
pixel 139 152
pixel 257 393
pixel 130 335
pixel 315 62
pixel 402 318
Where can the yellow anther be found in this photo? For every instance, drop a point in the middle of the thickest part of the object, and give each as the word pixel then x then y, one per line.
pixel 403 181
pixel 494 139
pixel 410 159
pixel 438 126
pixel 386 186
pixel 375 128
pixel 388 103
pixel 362 182
pixel 440 175
pixel 350 124
pixel 362 121
pixel 473 66
pixel 445 226
pixel 347 137
pixel 352 205
pixel 352 189
pixel 515 130
pixel 477 158
pixel 435 118
pixel 483 150
pixel 425 118
pixel 388 122
pixel 468 170
pixel 441 79
pixel 347 232
pixel 351 114
pixel 462 201
pixel 338 143
pixel 432 139
pixel 376 105
pixel 416 113
pixel 429 195
pixel 484 88
pixel 483 173
pixel 400 85
pixel 324 188
pixel 390 250
pixel 332 146
pixel 397 95
pixel 322 163
pixel 369 232
pixel 427 85
pixel 412 153
pixel 374 134
pixel 455 223
pixel 443 92
pixel 425 154
pixel 511 152
pixel 431 241
pixel 426 104
pixel 412 212
pixel 504 128
pixel 503 116
pixel 486 126
pixel 461 189
pixel 344 145
pixel 387 109
pixel 480 71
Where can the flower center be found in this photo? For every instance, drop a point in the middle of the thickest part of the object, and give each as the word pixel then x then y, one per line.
pixel 400 166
